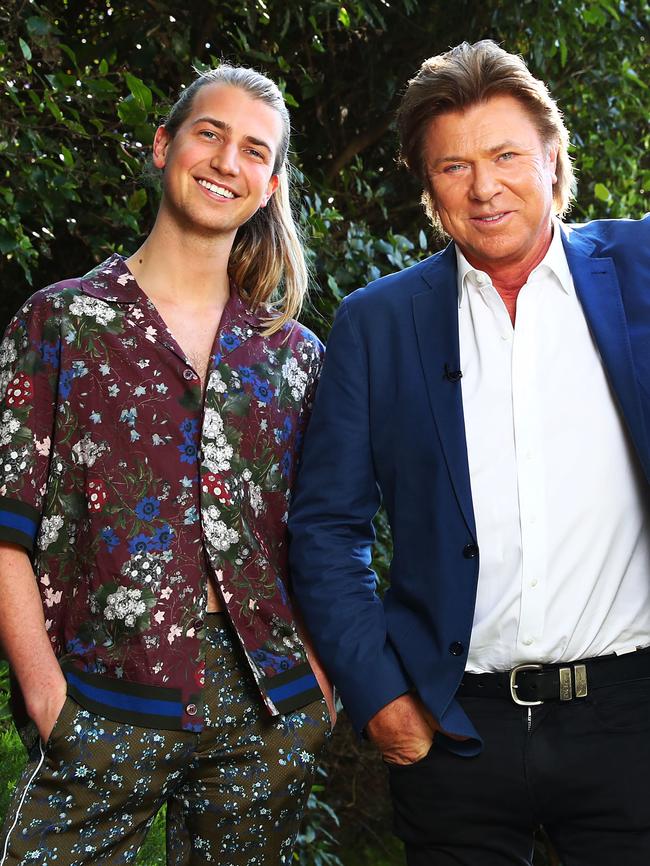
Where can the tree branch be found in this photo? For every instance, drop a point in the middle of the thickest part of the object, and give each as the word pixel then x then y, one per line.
pixel 357 144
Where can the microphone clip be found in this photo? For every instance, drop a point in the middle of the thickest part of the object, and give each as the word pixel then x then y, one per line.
pixel 452 375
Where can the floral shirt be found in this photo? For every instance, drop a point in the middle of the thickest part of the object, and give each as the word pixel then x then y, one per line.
pixel 129 487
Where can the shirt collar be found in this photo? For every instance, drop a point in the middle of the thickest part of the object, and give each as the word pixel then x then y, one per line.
pixel 113 282
pixel 554 261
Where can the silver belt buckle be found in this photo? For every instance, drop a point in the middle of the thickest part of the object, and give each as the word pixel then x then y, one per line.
pixel 513 684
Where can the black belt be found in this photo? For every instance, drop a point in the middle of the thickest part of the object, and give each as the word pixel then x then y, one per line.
pixel 532 684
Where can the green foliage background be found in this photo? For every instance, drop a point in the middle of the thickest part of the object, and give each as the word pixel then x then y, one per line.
pixel 84 82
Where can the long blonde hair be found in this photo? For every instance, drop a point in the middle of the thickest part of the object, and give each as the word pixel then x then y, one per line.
pixel 267 261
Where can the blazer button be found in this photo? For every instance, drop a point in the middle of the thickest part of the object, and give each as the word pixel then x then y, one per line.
pixel 456 648
pixel 470 551
pixel 191 709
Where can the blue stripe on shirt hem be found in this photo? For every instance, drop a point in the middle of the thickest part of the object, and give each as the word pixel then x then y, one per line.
pixel 122 701
pixel 288 690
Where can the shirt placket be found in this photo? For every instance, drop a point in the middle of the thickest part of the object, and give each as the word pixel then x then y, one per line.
pixel 530 473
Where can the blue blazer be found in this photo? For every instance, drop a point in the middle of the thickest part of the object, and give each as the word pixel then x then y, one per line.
pixel 388 426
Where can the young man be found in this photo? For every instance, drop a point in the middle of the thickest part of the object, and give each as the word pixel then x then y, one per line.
pixel 152 416
pixel 496 396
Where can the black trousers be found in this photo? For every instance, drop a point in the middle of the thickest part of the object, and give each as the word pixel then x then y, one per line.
pixel 581 769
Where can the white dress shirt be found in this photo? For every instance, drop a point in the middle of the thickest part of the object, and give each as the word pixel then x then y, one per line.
pixel 561 510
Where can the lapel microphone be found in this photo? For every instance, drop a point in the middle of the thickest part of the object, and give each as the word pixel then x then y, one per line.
pixel 452 375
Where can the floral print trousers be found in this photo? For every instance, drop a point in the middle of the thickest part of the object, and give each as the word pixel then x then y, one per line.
pixel 235 792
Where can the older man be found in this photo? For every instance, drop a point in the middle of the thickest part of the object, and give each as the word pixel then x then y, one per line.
pixel 497 398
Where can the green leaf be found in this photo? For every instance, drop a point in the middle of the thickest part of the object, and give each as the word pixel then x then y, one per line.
pixel 54 109
pixel 38 27
pixel 344 17
pixel 103 66
pixel 68 158
pixel 137 200
pixel 131 112
pixel 601 192
pixel 69 52
pixel 24 47
pixel 139 90
pixel 333 286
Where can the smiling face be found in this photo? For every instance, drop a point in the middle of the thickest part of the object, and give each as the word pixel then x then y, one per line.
pixel 218 166
pixel 491 180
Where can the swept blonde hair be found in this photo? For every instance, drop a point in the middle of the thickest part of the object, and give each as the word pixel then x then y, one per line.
pixel 267 262
pixel 468 75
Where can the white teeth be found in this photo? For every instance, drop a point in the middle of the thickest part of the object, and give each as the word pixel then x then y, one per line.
pixel 491 219
pixel 219 190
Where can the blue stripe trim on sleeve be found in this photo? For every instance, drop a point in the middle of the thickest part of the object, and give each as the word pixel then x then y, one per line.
pixel 125 702
pixel 18 522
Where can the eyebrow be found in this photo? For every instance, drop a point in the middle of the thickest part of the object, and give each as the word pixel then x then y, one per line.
pixel 220 124
pixel 509 144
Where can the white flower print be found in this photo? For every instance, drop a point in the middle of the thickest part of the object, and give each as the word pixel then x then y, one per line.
pixel 255 496
pixel 94 307
pixel 212 424
pixel 217 459
pixel 85 451
pixel 125 604
pixel 216 383
pixel 296 378
pixel 216 531
pixel 49 532
pixel 10 425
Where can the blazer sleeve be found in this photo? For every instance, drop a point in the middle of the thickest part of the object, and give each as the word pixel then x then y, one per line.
pixel 331 533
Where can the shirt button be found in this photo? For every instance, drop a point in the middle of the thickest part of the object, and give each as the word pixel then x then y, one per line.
pixel 456 648
pixel 470 551
pixel 533 582
pixel 190 709
pixel 188 374
pixel 481 279
pixel 527 641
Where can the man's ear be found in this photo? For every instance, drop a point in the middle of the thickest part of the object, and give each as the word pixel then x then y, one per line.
pixel 161 141
pixel 273 184
pixel 552 158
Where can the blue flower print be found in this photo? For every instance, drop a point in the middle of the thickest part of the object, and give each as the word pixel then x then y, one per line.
pixel 139 543
pixel 230 341
pixel 286 464
pixel 111 539
pixel 189 428
pixel 148 508
pixel 65 383
pixel 188 452
pixel 162 538
pixel 262 391
pixel 246 374
pixel 50 353
pixel 77 647
pixel 270 662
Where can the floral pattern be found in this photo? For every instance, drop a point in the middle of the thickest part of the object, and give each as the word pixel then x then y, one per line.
pixel 235 791
pixel 138 487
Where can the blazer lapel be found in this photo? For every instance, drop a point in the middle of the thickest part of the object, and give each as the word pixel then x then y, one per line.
pixel 597 287
pixel 435 312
